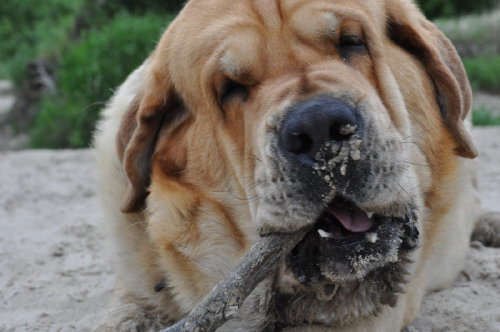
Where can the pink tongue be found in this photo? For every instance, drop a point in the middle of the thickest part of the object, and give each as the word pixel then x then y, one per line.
pixel 352 218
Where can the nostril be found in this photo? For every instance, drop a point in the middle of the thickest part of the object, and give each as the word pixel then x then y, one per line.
pixel 298 142
pixel 335 134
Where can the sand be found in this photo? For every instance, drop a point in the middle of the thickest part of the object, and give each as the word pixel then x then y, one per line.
pixel 55 274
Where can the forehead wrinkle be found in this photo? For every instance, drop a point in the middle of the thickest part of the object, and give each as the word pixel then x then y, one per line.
pixel 317 18
pixel 269 12
pixel 331 27
pixel 315 22
pixel 241 57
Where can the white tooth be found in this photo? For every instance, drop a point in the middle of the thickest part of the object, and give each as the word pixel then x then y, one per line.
pixel 368 213
pixel 371 237
pixel 322 233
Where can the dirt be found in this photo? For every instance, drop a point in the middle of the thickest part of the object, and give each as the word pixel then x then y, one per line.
pixel 55 274
pixel 488 101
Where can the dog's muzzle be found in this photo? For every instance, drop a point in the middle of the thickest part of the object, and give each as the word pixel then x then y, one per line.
pixel 346 242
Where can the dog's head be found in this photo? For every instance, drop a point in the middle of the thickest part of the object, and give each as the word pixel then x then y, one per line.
pixel 274 115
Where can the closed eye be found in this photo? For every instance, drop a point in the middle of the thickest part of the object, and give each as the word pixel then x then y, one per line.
pixel 231 89
pixel 351 45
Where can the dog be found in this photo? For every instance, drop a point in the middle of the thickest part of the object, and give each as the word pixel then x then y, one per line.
pixel 265 116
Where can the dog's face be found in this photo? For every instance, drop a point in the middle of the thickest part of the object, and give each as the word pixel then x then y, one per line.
pixel 273 115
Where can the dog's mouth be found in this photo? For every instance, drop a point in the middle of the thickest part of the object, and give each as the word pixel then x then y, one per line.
pixel 346 243
pixel 344 223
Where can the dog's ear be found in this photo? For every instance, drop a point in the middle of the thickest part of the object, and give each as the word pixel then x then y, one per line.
pixel 408 28
pixel 156 105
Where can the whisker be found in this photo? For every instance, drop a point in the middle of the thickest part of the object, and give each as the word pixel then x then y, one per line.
pixel 426 130
pixel 417 164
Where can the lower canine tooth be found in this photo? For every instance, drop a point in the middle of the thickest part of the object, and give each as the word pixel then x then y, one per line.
pixel 371 237
pixel 322 233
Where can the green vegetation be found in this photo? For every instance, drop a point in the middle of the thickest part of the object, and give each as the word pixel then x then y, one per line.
pixel 30 29
pixel 145 6
pixel 477 39
pixel 482 117
pixel 448 8
pixel 484 72
pixel 88 72
pixel 93 44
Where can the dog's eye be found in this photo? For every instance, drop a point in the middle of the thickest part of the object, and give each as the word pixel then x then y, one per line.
pixel 232 89
pixel 351 45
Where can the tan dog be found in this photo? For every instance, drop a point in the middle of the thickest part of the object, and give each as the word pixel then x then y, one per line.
pixel 257 116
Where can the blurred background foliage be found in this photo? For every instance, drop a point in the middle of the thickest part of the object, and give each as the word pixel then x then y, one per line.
pixel 65 57
pixel 448 8
pixel 88 72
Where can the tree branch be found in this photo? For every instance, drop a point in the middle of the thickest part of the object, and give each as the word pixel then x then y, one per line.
pixel 223 302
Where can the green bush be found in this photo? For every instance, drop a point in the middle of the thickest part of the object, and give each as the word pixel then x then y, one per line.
pixel 140 7
pixel 484 72
pixel 482 117
pixel 89 71
pixel 30 29
pixel 447 8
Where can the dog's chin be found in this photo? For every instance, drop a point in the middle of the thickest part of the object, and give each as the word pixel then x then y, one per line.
pixel 346 243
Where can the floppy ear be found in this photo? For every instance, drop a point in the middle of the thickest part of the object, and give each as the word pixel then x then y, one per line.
pixel 154 106
pixel 408 28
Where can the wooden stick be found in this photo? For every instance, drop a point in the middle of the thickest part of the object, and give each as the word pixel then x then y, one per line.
pixel 223 302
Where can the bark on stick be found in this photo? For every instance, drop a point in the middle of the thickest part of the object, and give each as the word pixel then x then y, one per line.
pixel 223 302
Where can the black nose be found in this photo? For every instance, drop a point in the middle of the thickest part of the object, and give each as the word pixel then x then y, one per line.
pixel 313 122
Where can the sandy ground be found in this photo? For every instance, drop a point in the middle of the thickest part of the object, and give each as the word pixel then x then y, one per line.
pixel 490 102
pixel 55 275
